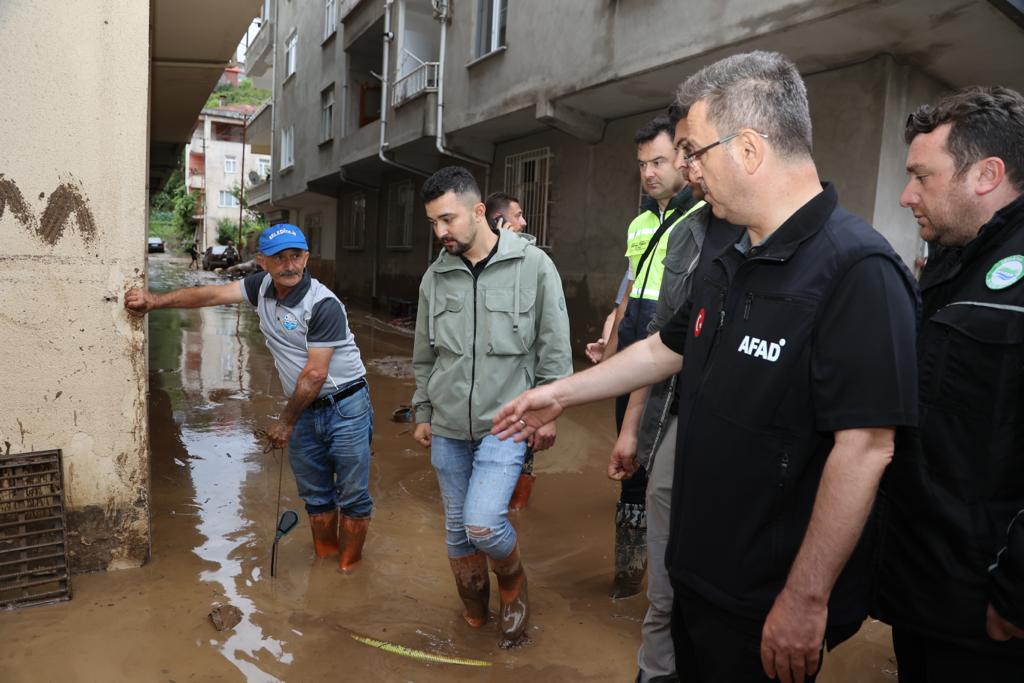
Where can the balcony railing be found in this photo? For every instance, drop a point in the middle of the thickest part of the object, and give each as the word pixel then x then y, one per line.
pixel 195 182
pixel 420 80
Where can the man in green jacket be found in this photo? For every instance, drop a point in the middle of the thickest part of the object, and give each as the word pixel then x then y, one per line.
pixel 491 323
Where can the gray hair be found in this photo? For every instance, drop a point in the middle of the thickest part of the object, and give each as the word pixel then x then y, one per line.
pixel 759 90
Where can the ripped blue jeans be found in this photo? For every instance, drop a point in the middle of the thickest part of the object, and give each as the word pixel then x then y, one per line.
pixel 477 479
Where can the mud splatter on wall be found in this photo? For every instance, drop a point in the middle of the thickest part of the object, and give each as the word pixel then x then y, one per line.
pixel 66 201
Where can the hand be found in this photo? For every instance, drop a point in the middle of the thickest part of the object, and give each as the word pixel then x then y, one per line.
pixel 999 628
pixel 138 301
pixel 278 434
pixel 423 434
pixel 622 461
pixel 792 636
pixel 543 438
pixel 524 415
pixel 500 224
pixel 595 350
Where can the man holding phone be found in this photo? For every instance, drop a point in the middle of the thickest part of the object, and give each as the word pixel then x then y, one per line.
pixel 504 212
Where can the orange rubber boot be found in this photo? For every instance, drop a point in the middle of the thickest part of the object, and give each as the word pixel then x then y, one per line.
pixel 325 533
pixel 352 536
pixel 521 494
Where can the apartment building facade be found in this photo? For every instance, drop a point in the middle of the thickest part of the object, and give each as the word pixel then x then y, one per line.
pixel 541 99
pixel 218 160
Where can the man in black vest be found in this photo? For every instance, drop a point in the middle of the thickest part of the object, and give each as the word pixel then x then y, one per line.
pixel 952 579
pixel 799 368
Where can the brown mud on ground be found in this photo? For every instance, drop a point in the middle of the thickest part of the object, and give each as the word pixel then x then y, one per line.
pixel 214 496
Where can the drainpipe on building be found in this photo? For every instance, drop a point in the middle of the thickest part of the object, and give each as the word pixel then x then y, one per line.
pixel 273 98
pixel 388 37
pixel 442 12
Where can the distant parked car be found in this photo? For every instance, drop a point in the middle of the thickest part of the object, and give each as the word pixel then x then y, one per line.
pixel 219 256
pixel 156 244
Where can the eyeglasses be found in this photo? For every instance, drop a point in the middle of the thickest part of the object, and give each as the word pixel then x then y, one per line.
pixel 692 157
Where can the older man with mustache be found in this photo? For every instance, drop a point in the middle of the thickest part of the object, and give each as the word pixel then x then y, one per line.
pixel 328 421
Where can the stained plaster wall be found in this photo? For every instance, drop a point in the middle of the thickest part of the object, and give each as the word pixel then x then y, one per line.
pixel 72 224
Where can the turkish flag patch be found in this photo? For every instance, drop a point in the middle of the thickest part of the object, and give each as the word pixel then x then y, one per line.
pixel 698 325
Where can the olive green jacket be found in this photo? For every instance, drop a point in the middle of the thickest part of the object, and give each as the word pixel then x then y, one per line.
pixel 480 343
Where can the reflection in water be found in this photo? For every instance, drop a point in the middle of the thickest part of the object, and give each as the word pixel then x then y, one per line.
pixel 205 355
pixel 218 482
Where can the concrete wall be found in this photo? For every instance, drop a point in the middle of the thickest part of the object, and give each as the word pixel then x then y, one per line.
pixel 904 90
pixel 587 43
pixel 72 216
pixel 594 195
pixel 297 97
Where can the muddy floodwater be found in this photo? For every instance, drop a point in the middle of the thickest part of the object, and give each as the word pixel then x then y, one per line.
pixel 214 501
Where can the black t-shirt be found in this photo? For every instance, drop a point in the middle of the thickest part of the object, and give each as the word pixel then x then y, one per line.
pixel 862 365
pixel 478 267
pixel 809 333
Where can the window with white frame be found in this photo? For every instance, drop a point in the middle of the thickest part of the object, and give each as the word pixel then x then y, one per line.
pixel 264 166
pixel 528 177
pixel 230 164
pixel 327 113
pixel 330 18
pixel 291 46
pixel 227 200
pixel 314 233
pixel 287 147
pixel 490 25
pixel 354 221
pixel 401 197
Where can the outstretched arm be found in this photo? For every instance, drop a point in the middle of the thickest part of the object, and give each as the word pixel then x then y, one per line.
pixel 640 365
pixel 141 301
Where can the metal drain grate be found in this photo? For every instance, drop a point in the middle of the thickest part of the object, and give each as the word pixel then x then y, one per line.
pixel 33 538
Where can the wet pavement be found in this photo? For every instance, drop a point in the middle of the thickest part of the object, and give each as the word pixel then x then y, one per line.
pixel 214 501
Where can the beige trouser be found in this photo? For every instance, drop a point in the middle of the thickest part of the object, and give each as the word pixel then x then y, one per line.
pixel 656 656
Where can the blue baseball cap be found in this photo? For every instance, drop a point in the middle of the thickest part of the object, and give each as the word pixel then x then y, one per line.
pixel 280 237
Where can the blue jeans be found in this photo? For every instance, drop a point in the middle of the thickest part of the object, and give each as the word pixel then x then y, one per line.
pixel 477 479
pixel 330 455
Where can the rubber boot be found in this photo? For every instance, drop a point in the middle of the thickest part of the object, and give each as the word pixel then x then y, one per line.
pixel 351 537
pixel 515 604
pixel 325 533
pixel 521 494
pixel 474 585
pixel 630 550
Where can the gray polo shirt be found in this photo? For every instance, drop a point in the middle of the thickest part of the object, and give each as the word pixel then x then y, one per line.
pixel 310 316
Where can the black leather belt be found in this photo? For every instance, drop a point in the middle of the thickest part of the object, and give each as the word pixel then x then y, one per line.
pixel 327 400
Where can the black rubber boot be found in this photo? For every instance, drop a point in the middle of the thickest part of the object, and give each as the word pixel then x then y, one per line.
pixel 630 550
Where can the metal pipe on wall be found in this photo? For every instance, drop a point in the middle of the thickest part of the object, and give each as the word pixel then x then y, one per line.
pixel 388 37
pixel 443 13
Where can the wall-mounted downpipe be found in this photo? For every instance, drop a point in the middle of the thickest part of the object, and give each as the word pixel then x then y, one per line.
pixel 442 12
pixel 384 91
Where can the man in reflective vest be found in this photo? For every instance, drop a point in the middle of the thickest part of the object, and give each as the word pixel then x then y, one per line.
pixel 669 201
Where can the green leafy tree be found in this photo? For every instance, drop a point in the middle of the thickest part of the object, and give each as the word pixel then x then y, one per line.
pixel 174 207
pixel 244 93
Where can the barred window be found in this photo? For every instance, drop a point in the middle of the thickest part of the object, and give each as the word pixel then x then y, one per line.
pixel 528 177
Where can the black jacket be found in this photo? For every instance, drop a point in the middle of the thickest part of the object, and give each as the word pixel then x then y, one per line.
pixel 954 533
pixel 812 332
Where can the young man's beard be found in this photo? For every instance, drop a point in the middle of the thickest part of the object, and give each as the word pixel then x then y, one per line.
pixel 455 247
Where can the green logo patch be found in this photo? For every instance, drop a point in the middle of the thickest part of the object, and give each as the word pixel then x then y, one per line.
pixel 1005 272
